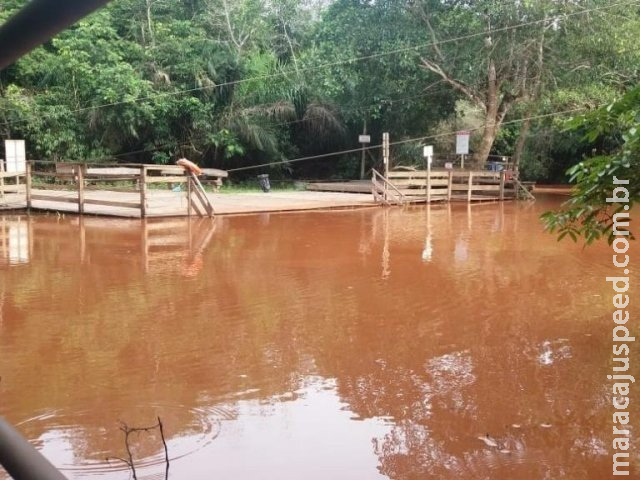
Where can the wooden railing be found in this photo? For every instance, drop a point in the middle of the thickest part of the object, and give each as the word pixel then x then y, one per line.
pixel 120 187
pixel 441 185
pixel 384 191
pixel 420 184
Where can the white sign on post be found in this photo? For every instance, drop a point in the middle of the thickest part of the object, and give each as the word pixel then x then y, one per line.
pixel 16 157
pixel 364 139
pixel 462 143
pixel 427 152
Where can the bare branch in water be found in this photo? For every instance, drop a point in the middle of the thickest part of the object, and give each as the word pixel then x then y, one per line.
pixel 129 461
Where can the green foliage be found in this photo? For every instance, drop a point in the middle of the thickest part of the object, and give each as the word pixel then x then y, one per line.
pixel 588 214
pixel 239 83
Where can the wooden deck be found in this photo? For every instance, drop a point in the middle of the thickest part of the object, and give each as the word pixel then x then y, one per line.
pixel 162 203
pixel 355 186
pixel 142 191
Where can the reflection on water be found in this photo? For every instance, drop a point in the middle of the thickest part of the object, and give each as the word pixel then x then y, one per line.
pixel 15 240
pixel 448 342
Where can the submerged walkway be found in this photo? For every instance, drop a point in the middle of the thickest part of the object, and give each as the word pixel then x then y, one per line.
pixel 162 203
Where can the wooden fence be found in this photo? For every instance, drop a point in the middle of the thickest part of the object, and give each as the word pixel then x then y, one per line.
pixel 407 186
pixel 114 188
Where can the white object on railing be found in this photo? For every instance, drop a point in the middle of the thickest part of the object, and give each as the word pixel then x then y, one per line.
pixel 16 161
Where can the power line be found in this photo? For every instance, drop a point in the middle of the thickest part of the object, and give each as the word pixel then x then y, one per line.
pixel 402 142
pixel 279 124
pixel 345 61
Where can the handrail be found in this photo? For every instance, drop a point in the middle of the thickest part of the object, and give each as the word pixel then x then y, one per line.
pixel 523 188
pixel 387 183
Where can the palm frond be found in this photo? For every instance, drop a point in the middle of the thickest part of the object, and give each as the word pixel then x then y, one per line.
pixel 321 119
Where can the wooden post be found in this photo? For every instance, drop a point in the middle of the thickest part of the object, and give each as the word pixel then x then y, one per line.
pixel 450 186
pixel 470 186
pixel 143 191
pixel 189 181
pixel 80 189
pixel 28 182
pixel 385 158
pixel 2 179
pixel 502 175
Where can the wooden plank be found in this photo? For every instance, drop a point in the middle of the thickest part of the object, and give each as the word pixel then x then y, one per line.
pixel 489 188
pixel 408 183
pixel 111 203
pixel 106 172
pixel 53 198
pixel 14 188
pixel 28 185
pixel 196 207
pixel 355 187
pixel 486 188
pixel 423 192
pixel 11 175
pixel 169 169
pixel 167 179
pixel 121 178
pixel 202 195
pixel 476 174
pixel 46 174
pixel 416 174
pixel 215 172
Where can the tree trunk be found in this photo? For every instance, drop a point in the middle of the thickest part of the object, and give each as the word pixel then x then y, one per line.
pixel 488 137
pixel 491 123
pixel 522 139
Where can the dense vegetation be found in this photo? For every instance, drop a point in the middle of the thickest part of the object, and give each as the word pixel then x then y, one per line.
pixel 239 83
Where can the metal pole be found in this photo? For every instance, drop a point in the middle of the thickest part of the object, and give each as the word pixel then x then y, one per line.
pixel 21 460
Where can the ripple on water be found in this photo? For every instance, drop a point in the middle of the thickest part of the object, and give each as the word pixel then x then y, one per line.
pixel 63 435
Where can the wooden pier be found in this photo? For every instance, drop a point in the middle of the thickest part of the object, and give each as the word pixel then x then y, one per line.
pixel 141 191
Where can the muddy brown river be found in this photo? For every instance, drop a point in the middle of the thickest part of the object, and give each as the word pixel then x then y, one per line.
pixel 449 342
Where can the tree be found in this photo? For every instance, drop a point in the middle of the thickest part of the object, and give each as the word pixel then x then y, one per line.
pixel 588 214
pixel 500 55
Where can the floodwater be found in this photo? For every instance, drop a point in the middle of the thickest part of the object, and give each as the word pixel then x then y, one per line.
pixel 445 342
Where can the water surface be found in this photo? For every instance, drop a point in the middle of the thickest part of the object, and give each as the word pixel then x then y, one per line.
pixel 449 342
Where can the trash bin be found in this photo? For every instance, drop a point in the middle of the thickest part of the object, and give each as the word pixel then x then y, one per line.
pixel 495 166
pixel 263 180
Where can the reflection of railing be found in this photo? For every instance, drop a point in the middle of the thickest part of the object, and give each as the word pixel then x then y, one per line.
pixel 384 191
pixel 15 240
